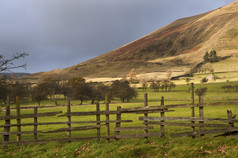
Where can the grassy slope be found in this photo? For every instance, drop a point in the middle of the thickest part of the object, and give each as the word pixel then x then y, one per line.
pixel 154 147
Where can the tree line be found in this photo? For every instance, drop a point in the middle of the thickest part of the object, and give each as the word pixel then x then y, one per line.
pixel 164 85
pixel 54 88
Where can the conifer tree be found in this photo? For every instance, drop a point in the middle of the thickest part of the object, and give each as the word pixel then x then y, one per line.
pixel 206 57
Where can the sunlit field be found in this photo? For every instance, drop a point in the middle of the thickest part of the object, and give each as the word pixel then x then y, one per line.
pixel 209 145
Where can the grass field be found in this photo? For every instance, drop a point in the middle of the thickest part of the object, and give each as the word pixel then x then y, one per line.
pixel 208 146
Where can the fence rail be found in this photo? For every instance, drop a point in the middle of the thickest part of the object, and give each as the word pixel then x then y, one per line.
pixel 147 122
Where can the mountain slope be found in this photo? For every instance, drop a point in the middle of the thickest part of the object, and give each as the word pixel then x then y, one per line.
pixel 179 46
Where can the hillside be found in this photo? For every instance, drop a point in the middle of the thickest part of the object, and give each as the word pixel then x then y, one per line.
pixel 179 47
pixel 13 75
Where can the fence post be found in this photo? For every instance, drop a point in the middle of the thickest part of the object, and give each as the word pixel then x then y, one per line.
pixel 118 123
pixel 35 123
pixel 107 118
pixel 192 106
pixel 201 114
pixel 69 119
pixel 18 119
pixel 162 130
pixel 146 114
pixel 229 114
pixel 98 120
pixel 7 121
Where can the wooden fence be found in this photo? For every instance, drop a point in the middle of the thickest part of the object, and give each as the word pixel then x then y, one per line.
pixel 147 122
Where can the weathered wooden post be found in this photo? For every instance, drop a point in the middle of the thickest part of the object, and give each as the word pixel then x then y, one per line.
pixel 146 114
pixel 35 123
pixel 192 106
pixel 201 114
pixel 107 118
pixel 229 114
pixel 98 120
pixel 18 119
pixel 69 118
pixel 118 123
pixel 7 121
pixel 162 130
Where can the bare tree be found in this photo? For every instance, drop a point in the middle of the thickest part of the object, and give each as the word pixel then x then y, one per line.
pixel 169 75
pixel 9 64
pixel 155 83
pixel 144 83
pixel 171 85
pixel 154 86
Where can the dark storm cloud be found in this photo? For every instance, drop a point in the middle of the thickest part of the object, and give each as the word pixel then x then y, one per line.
pixel 61 33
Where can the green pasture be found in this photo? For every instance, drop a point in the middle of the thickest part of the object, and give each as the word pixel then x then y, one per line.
pixel 208 146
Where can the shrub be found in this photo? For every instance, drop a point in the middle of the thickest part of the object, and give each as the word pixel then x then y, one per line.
pixel 201 91
pixel 204 80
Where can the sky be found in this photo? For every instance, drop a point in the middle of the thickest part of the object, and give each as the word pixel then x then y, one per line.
pixel 61 33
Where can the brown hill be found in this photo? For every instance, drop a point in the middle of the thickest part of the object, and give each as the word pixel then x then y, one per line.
pixel 179 46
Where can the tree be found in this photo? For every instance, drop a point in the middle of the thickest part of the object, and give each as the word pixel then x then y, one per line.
pixel 200 92
pixel 4 89
pixel 171 85
pixel 131 93
pixel 204 80
pixel 51 87
pixel 9 64
pixel 80 89
pixel 75 81
pixel 62 80
pixel 123 91
pixel 211 57
pixel 169 75
pixel 132 76
pixel 18 89
pixel 48 86
pixel 39 93
pixel 165 85
pixel 82 92
pixel 187 80
pixel 154 86
pixel 206 57
pixel 99 92
pixel 13 89
pixel 144 84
